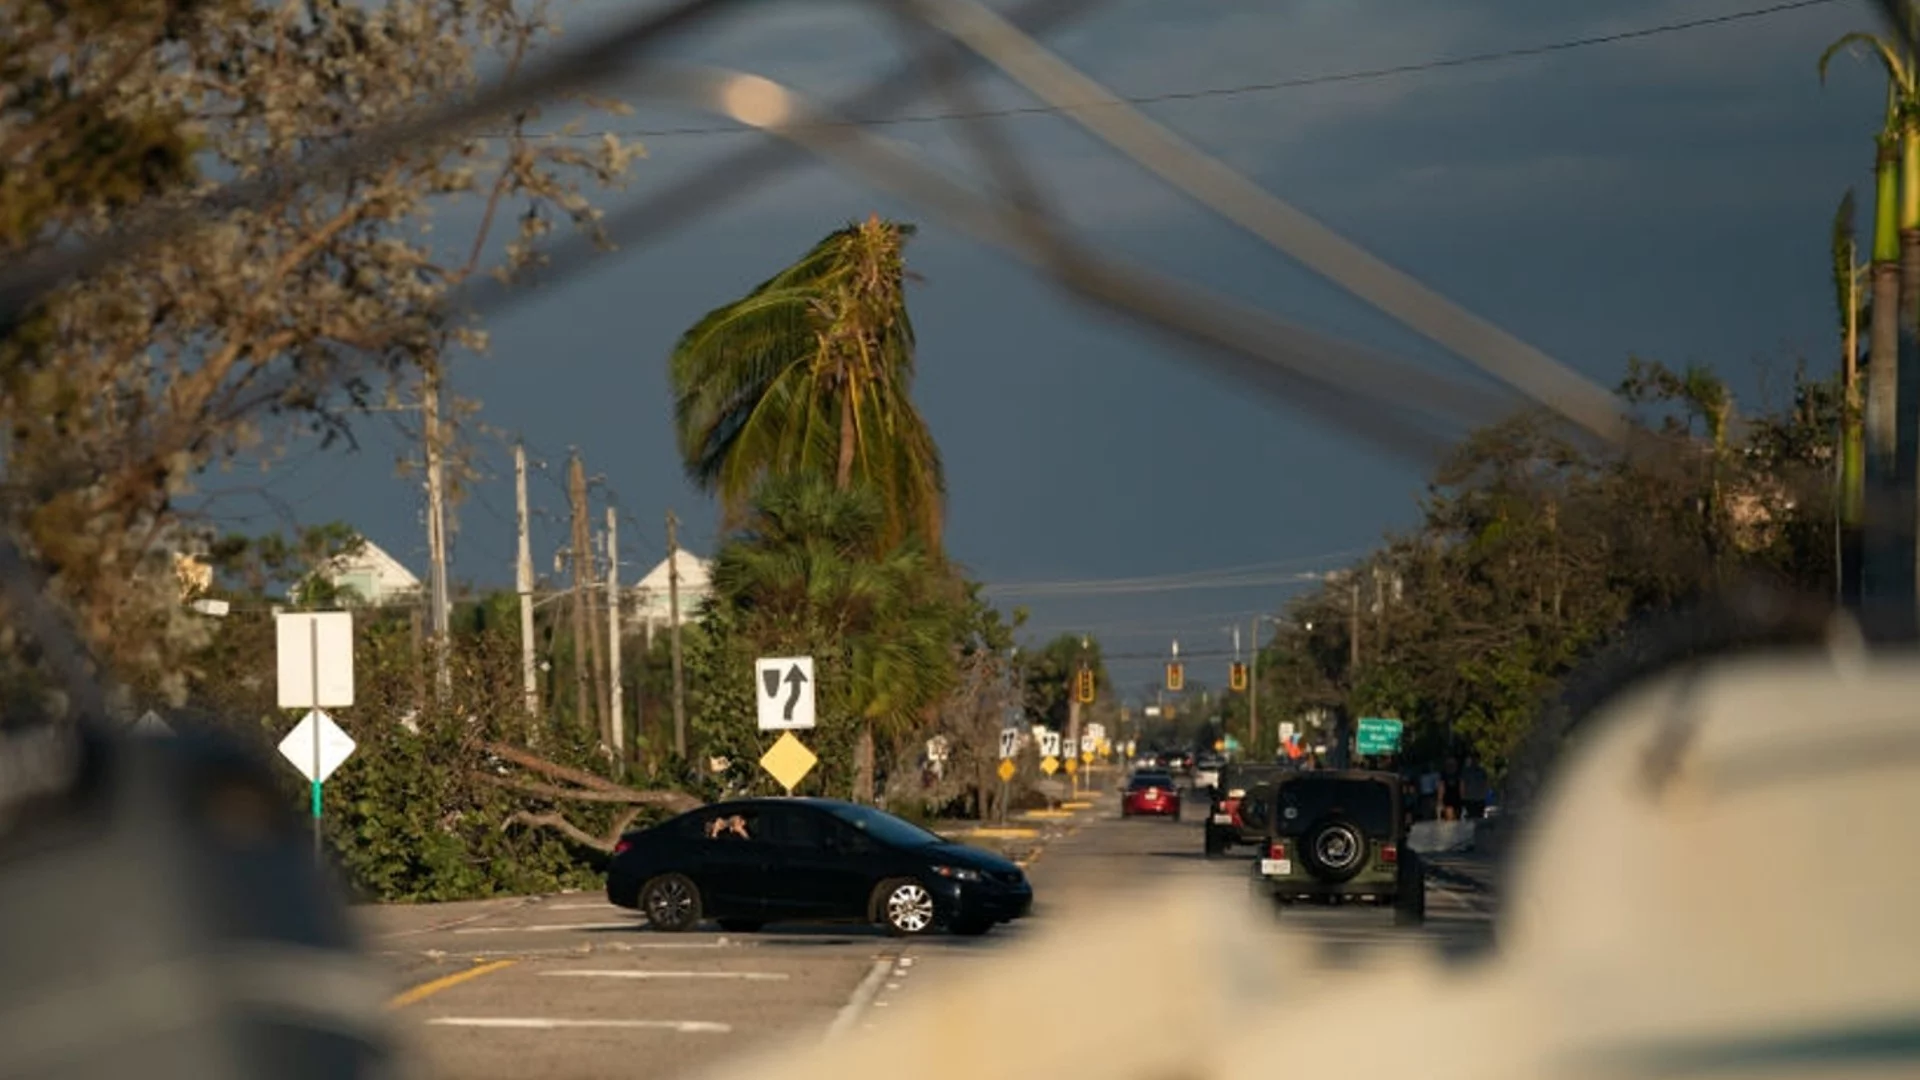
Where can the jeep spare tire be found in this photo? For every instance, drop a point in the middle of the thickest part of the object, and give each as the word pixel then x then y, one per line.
pixel 1335 851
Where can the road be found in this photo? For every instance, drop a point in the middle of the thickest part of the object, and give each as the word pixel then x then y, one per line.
pixel 571 988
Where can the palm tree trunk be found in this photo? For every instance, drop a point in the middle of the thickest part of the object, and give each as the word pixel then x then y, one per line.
pixel 1883 351
pixel 863 764
pixel 843 473
pixel 1907 398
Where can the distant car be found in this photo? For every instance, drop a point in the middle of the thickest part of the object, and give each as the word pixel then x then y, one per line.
pixel 1225 828
pixel 1206 770
pixel 1180 761
pixel 1153 793
pixel 1337 837
pixel 749 862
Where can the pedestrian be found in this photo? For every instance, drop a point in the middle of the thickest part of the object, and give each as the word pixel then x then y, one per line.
pixel 1474 788
pixel 1429 793
pixel 1450 790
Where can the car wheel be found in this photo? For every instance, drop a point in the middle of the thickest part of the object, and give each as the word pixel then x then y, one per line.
pixel 741 926
pixel 972 928
pixel 904 907
pixel 672 903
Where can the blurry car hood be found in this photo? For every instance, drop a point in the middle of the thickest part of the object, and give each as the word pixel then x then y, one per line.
pixel 973 858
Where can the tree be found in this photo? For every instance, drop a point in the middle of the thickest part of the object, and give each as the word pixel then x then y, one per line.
pixel 811 373
pixel 801 576
pixel 273 323
pixel 1895 267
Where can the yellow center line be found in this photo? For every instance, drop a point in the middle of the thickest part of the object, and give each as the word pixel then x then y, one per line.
pixel 428 989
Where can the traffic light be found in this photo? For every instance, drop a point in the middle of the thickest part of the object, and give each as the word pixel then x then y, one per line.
pixel 1083 686
pixel 1176 675
pixel 1237 676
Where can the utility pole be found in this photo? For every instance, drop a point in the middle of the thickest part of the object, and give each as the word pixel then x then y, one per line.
pixel 673 636
pixel 616 698
pixel 585 641
pixel 523 584
pixel 436 525
pixel 1353 667
pixel 1253 690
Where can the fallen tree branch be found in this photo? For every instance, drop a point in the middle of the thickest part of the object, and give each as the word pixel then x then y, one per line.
pixel 667 800
pixel 561 825
pixel 552 770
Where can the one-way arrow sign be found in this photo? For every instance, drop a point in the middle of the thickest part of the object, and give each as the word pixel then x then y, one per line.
pixel 783 691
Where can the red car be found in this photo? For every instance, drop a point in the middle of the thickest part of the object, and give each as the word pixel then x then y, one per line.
pixel 1151 793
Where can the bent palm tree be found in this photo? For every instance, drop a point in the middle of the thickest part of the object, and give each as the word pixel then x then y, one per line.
pixel 811 373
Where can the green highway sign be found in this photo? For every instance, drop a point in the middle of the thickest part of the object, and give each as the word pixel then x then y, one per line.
pixel 1377 735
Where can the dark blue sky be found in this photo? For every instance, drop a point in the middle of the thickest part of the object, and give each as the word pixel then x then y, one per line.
pixel 1667 196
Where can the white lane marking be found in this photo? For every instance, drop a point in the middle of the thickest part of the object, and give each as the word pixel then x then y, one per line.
pixel 863 996
pixel 550 928
pixel 749 976
pixel 541 1023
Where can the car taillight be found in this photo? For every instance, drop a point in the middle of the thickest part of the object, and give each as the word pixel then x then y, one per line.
pixel 622 847
pixel 1276 850
pixel 1389 853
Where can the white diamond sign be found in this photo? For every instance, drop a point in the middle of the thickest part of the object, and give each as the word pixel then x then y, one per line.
pixel 317 746
pixel 151 724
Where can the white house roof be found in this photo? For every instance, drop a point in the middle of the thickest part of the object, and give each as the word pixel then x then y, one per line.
pixel 650 595
pixel 388 573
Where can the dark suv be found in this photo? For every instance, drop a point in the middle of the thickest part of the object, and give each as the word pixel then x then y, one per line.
pixel 1225 824
pixel 1337 837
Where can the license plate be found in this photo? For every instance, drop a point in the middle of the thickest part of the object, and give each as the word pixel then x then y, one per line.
pixel 1272 867
pixel 1223 819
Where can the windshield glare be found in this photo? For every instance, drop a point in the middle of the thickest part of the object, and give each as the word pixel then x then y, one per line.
pixel 886 828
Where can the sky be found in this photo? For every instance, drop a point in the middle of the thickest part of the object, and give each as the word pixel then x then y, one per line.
pixel 1667 195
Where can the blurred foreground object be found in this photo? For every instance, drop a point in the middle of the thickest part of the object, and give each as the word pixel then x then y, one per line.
pixel 161 916
pixel 1718 884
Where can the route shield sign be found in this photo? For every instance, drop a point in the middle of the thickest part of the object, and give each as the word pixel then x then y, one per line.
pixel 1050 744
pixel 783 691
pixel 1009 742
pixel 1377 735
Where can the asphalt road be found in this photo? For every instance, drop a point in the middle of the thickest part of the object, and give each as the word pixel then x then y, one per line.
pixel 571 988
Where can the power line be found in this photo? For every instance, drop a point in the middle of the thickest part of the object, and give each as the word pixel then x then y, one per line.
pixel 1244 89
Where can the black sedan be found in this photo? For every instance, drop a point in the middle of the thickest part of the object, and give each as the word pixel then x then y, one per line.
pixel 750 862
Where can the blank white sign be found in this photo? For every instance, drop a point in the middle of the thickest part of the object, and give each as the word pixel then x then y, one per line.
pixel 295 640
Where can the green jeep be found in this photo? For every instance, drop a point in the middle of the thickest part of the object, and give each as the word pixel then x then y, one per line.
pixel 1337 837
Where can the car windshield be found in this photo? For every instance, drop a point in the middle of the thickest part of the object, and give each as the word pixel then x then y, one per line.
pixel 884 827
pixel 1366 803
pixel 1147 780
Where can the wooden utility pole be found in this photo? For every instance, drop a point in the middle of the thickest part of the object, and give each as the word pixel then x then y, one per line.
pixel 616 697
pixel 1253 691
pixel 586 643
pixel 673 636
pixel 523 584
pixel 436 526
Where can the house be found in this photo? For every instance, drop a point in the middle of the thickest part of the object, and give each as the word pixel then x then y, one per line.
pixel 372 575
pixel 651 606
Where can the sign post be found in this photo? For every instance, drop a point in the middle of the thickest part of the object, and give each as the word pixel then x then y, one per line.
pixel 1009 746
pixel 314 650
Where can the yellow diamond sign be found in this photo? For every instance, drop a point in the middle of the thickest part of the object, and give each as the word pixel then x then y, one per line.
pixel 788 761
pixel 1050 766
pixel 1072 766
pixel 1006 769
